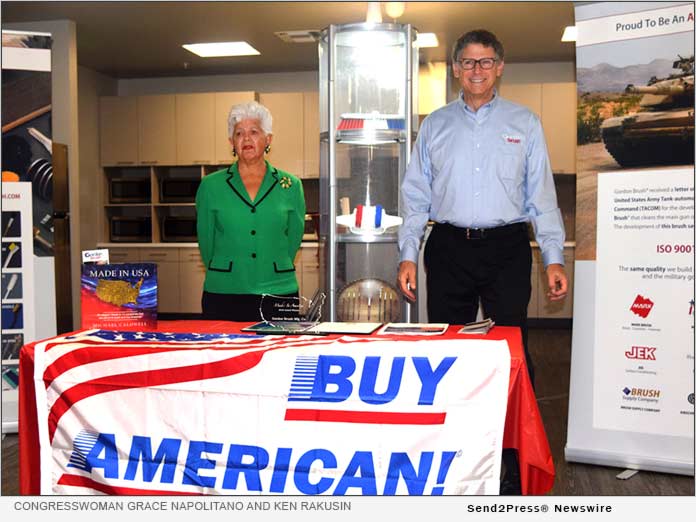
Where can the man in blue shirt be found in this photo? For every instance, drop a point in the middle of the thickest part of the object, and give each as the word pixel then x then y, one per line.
pixel 480 170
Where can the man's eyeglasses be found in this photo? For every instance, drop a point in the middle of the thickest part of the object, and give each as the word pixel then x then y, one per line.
pixel 469 63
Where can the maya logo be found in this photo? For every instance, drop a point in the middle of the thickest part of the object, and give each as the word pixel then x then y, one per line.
pixel 644 353
pixel 336 378
pixel 641 306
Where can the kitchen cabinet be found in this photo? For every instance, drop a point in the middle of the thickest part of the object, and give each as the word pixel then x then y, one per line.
pixel 287 148
pixel 118 130
pixel 295 146
pixel 310 135
pixel 157 129
pixel 559 118
pixel 195 129
pixel 223 103
pixel 124 255
pixel 527 94
pixel 539 305
pixel 168 276
pixel 192 278
pixel 309 282
pixel 555 104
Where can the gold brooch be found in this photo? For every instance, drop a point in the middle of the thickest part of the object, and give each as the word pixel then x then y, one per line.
pixel 285 182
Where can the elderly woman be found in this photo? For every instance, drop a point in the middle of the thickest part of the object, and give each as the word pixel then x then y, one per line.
pixel 250 225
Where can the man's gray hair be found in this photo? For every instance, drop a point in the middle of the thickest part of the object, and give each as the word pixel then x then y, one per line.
pixel 250 110
pixel 481 37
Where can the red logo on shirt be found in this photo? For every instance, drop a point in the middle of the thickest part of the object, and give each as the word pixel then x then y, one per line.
pixel 642 306
pixel 512 140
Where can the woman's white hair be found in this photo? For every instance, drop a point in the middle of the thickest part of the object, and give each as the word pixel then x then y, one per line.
pixel 250 110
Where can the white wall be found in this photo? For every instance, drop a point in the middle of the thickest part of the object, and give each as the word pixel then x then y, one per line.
pixel 91 85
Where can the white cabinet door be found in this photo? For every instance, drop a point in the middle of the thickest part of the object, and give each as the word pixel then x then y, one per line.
pixel 195 129
pixel 287 148
pixel 223 103
pixel 118 130
pixel 157 129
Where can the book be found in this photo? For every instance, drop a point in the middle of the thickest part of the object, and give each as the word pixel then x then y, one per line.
pixel 478 327
pixel 120 296
pixel 414 329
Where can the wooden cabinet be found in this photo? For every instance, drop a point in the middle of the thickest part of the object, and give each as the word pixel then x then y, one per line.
pixel 192 272
pixel 558 309
pixel 157 129
pixel 195 129
pixel 527 94
pixel 539 305
pixel 555 103
pixel 223 103
pixel 309 281
pixel 124 255
pixel 295 146
pixel 310 135
pixel 287 109
pixel 537 273
pixel 558 116
pixel 168 276
pixel 118 130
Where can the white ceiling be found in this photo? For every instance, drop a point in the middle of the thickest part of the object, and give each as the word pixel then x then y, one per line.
pixel 143 39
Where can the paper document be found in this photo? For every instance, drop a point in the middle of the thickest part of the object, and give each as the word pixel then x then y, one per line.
pixel 414 329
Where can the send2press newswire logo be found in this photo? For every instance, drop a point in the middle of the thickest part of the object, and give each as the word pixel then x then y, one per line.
pixel 324 388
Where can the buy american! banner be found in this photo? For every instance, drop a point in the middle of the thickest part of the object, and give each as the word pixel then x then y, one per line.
pixel 154 413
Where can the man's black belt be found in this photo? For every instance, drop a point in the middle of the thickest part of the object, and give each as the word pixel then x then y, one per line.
pixel 484 233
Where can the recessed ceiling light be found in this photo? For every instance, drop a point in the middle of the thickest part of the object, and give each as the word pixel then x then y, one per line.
pixel 570 34
pixel 427 40
pixel 208 50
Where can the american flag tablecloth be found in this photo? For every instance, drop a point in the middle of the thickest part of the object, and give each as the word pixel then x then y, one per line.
pixel 196 413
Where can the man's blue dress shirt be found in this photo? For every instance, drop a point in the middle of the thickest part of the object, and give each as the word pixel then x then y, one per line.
pixel 481 169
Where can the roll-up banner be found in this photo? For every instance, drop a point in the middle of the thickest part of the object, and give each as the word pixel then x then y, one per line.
pixel 28 295
pixel 632 368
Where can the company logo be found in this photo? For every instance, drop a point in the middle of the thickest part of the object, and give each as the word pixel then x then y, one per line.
pixel 691 307
pixel 643 353
pixel 690 398
pixel 325 379
pixel 641 306
pixel 641 393
pixel 512 138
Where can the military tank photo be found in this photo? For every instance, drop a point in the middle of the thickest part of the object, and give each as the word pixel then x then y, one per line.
pixel 662 131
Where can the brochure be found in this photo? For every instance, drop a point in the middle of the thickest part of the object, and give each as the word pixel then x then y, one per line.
pixel 478 327
pixel 414 329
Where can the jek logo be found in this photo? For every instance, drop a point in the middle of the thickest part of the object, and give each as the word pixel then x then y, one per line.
pixel 643 353
pixel 642 306
pixel 337 379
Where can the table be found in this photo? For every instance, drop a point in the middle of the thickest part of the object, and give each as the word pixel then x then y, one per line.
pixel 524 430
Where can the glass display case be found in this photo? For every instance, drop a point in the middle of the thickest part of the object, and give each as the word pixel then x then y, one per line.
pixel 368 83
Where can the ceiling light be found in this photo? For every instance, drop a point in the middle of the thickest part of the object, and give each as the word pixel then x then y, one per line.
pixel 394 9
pixel 427 40
pixel 570 34
pixel 208 50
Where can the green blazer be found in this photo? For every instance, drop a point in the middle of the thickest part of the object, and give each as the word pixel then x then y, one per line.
pixel 249 247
